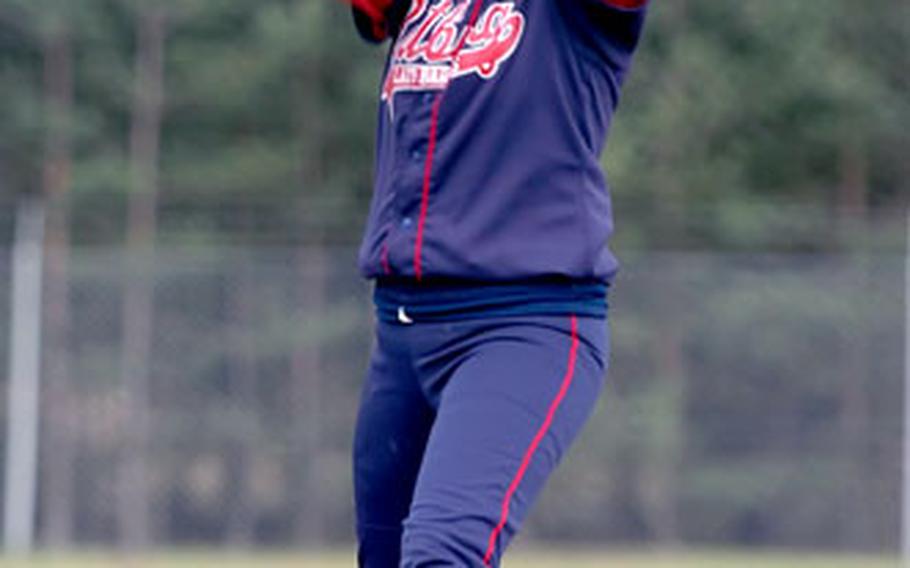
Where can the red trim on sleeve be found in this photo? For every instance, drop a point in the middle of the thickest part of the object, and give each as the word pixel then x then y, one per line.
pixel 626 4
pixel 373 10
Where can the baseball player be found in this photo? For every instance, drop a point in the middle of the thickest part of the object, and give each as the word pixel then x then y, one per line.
pixel 487 240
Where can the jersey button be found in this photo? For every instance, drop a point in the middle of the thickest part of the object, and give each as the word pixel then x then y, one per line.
pixel 416 155
pixel 407 222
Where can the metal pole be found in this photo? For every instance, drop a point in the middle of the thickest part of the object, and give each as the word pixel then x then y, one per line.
pixel 24 379
pixel 905 508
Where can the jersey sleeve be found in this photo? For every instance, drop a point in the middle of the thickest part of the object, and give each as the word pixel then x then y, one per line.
pixel 376 28
pixel 621 20
pixel 608 31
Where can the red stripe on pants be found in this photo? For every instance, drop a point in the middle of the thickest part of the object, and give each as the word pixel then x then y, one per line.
pixel 532 449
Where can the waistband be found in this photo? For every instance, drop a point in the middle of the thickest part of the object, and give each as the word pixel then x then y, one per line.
pixel 406 301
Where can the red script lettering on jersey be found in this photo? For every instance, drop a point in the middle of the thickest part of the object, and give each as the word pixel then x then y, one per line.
pixel 425 58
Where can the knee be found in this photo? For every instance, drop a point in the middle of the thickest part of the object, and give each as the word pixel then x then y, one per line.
pixel 443 544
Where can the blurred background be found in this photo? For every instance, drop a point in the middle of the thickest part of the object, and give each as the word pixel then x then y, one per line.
pixel 184 182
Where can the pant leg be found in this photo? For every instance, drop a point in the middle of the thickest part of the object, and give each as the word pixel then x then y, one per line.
pixel 392 427
pixel 506 416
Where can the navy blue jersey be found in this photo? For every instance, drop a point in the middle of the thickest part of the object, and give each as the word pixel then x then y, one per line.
pixel 492 120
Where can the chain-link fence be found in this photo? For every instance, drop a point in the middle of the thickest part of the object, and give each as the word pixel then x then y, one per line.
pixel 207 395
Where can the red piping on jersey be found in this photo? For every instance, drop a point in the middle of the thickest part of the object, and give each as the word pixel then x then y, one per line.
pixel 384 256
pixel 538 438
pixel 431 150
pixel 425 195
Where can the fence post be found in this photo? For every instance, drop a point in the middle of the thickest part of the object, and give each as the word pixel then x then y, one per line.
pixel 905 509
pixel 24 379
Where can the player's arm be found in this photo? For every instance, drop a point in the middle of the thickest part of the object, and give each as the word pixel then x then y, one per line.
pixel 377 20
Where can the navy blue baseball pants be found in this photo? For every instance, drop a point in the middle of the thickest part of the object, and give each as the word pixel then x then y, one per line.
pixel 460 425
